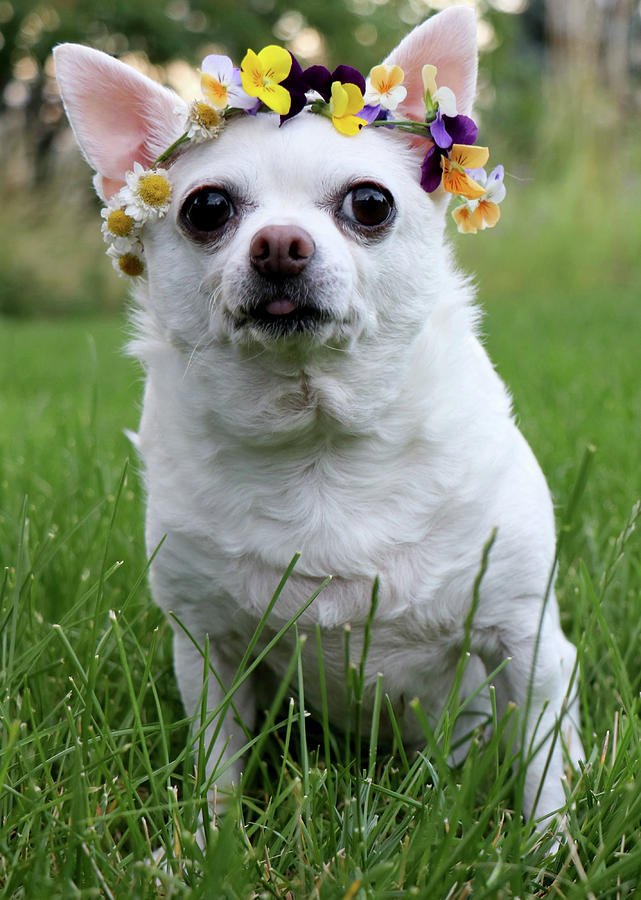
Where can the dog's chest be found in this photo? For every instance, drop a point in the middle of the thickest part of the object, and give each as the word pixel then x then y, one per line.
pixel 350 511
pixel 230 558
pixel 403 499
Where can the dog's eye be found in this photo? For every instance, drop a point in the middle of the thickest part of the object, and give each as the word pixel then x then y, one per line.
pixel 206 211
pixel 368 204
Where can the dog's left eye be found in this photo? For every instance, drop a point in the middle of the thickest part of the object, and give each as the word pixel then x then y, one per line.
pixel 368 205
pixel 206 211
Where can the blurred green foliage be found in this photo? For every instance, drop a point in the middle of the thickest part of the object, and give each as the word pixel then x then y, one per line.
pixel 360 32
pixel 180 28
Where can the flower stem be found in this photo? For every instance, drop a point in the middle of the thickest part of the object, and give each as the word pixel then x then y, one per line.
pixel 167 153
pixel 421 128
pixel 321 108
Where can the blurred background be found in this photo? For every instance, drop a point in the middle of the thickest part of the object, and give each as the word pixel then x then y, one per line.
pixel 558 104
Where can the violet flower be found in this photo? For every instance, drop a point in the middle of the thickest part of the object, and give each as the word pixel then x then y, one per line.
pixel 297 85
pixel 320 79
pixel 375 114
pixel 449 130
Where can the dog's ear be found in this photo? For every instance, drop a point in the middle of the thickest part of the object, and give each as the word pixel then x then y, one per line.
pixel 447 41
pixel 117 115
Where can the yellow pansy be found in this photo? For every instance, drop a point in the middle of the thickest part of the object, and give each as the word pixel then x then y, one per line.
pixel 462 215
pixel 346 100
pixel 385 86
pixel 261 74
pixel 486 214
pixel 214 90
pixel 455 178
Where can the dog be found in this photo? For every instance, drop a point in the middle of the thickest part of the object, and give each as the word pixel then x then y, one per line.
pixel 315 383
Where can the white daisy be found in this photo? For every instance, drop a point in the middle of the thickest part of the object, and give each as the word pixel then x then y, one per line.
pixel 130 261
pixel 204 123
pixel 147 194
pixel 117 225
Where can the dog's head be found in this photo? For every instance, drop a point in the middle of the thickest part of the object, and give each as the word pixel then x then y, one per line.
pixel 285 235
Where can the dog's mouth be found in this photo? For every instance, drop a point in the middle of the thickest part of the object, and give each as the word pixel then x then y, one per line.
pixel 281 315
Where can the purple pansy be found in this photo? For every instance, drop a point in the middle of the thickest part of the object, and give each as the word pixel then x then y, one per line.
pixel 449 130
pixel 320 79
pixel 374 113
pixel 296 84
pixel 439 132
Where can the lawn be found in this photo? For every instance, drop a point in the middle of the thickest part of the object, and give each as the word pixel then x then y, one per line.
pixel 96 768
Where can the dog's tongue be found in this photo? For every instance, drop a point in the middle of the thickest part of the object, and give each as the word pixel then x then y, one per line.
pixel 280 307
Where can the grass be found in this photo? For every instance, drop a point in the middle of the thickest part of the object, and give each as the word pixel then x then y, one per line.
pixel 97 768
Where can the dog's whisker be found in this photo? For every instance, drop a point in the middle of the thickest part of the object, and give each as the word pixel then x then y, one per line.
pixel 334 349
pixel 200 347
pixel 189 361
pixel 214 297
pixel 261 352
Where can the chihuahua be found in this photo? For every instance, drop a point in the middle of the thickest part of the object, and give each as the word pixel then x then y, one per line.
pixel 315 384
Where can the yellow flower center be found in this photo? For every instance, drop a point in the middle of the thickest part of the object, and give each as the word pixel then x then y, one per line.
pixel 131 264
pixel 206 115
pixel 119 223
pixel 154 190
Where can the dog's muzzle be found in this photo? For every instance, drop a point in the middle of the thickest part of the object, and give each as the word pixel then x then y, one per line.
pixel 280 290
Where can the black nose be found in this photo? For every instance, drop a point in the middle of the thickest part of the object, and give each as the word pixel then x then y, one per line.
pixel 281 250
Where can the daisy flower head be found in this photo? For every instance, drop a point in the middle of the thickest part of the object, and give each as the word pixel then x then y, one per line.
pixel 147 194
pixel 204 122
pixel 128 262
pixel 117 225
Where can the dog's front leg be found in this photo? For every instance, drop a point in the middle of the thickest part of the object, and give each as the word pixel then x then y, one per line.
pixel 540 678
pixel 223 741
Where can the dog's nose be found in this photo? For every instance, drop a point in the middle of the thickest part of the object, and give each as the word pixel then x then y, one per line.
pixel 281 250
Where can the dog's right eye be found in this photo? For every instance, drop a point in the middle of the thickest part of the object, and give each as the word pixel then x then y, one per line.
pixel 206 211
pixel 368 205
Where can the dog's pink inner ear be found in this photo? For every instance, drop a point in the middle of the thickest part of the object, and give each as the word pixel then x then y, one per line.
pixel 447 41
pixel 118 115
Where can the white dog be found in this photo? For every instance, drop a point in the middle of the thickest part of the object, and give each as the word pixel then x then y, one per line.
pixel 315 383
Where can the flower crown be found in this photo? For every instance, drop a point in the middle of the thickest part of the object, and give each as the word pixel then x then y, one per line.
pixel 273 79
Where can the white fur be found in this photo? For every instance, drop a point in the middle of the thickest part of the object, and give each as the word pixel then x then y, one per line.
pixel 381 445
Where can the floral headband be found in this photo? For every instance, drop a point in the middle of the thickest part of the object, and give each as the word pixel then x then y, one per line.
pixel 273 79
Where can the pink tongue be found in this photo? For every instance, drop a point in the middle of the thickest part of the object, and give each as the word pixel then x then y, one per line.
pixel 280 307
